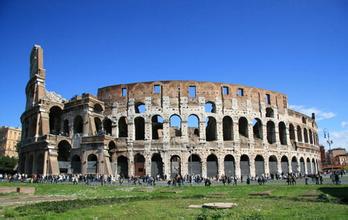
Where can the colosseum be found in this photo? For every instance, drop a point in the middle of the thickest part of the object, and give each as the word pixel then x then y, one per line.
pixel 164 128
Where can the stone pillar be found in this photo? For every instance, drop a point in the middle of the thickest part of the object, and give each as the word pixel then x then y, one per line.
pixel 305 166
pixel 252 166
pixel 290 165
pixel 45 163
pixel 147 164
pixel 148 128
pixel 202 133
pixel 166 131
pixel 131 163
pixel 219 129
pixel 235 130
pixel 237 166
pixel 35 163
pixel 184 164
pixel 166 164
pixel 279 165
pixel 266 163
pixel 86 124
pixel 221 167
pixel 184 131
pixel 276 129
pixel 204 167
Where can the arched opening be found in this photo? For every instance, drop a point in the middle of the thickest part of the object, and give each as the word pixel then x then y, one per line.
pixel 193 126
pixel 194 165
pixel 156 165
pixel 122 166
pixel 243 127
pixel 92 164
pixel 112 151
pixel 98 125
pixel 157 127
pixel 107 124
pixel 273 165
pixel 210 130
pixel 175 126
pixel 64 149
pixel 66 128
pixel 212 166
pixel 310 136
pixel 304 120
pixel 269 112
pixel 271 135
pixel 122 127
pixel 40 163
pixel 229 165
pixel 314 166
pixel 76 164
pixel 302 166
pixel 78 125
pixel 285 165
pixel 294 165
pixel 98 108
pixel 259 165
pixel 139 165
pixel 227 126
pixel 292 132
pixel 55 116
pixel 245 166
pixel 139 124
pixel 309 169
pixel 257 129
pixel 139 107
pixel 305 135
pixel 210 107
pixel 299 134
pixel 175 166
pixel 30 165
pixel 282 133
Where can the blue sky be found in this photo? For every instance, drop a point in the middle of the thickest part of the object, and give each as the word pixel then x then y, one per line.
pixel 299 48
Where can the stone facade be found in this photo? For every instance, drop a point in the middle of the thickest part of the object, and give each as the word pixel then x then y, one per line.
pixel 164 128
pixel 9 138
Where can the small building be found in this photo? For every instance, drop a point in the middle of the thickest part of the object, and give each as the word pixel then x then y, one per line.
pixel 9 138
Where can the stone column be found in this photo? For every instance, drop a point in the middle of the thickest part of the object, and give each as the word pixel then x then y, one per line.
pixel 252 166
pixel 184 131
pixel 279 165
pixel 290 165
pixel 266 163
pixel 131 163
pixel 204 167
pixel 166 164
pixel 237 166
pixel 305 166
pixel 221 167
pixel 45 163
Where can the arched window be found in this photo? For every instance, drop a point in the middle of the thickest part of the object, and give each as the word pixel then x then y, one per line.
pixel 66 127
pixel 107 124
pixel 139 124
pixel 210 129
pixel 259 165
pixel 305 135
pixel 299 134
pixel 292 132
pixel 212 166
pixel 310 136
pixel 92 164
pixel 257 129
pixel 282 133
pixel 122 127
pixel 78 125
pixel 98 125
pixel 157 127
pixel 271 135
pixel 55 119
pixel 193 126
pixel 210 107
pixel 64 149
pixel 227 126
pixel 175 126
pixel 243 127
pixel 139 107
pixel 98 108
pixel 269 112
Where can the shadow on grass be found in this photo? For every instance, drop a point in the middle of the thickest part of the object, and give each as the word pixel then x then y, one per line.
pixel 340 193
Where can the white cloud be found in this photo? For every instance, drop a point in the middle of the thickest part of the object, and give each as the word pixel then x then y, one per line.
pixel 340 138
pixel 319 114
pixel 344 124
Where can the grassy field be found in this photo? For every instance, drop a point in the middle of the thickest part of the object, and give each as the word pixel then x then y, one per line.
pixel 115 202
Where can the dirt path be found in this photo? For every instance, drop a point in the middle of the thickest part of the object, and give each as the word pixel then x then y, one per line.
pixel 15 200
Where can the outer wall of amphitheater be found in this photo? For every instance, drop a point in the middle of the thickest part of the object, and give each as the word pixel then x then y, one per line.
pixel 164 128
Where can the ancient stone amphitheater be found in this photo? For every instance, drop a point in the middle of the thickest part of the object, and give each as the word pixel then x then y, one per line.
pixel 164 128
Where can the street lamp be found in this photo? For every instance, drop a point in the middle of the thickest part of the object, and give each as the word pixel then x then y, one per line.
pixel 329 142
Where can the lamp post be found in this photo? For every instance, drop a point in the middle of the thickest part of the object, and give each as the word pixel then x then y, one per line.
pixel 329 142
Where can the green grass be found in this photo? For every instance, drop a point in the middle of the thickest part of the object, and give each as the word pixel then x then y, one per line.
pixel 114 202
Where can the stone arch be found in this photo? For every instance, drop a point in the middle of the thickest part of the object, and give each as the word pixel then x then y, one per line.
pixel 175 166
pixel 78 125
pixel 243 127
pixel 210 130
pixel 229 165
pixel 292 132
pixel 294 165
pixel 139 107
pixel 76 164
pixel 285 164
pixel 273 165
pixel 212 166
pixel 139 125
pixel 227 127
pixel 139 165
pixel 98 108
pixel 194 165
pixel 245 166
pixel 271 135
pixel 98 125
pixel 193 125
pixel 259 165
pixel 257 129
pixel 112 151
pixel 157 127
pixel 175 125
pixel 92 164
pixel 64 149
pixel 269 112
pixel 107 124
pixel 282 133
pixel 305 135
pixel 210 107
pixel 122 166
pixel 299 133
pixel 156 165
pixel 122 127
pixel 55 116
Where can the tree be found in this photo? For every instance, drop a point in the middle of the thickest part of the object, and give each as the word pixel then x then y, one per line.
pixel 7 164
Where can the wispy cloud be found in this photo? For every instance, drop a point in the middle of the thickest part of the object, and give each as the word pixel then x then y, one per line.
pixel 344 124
pixel 320 115
pixel 340 138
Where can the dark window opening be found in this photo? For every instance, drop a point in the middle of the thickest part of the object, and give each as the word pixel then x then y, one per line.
pixel 271 135
pixel 225 90
pixel 257 129
pixel 139 107
pixel 139 124
pixel 243 127
pixel 227 126
pixel 210 130
pixel 122 127
pixel 240 92
pixel 157 127
pixel 269 113
pixel 282 133
pixel 268 99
